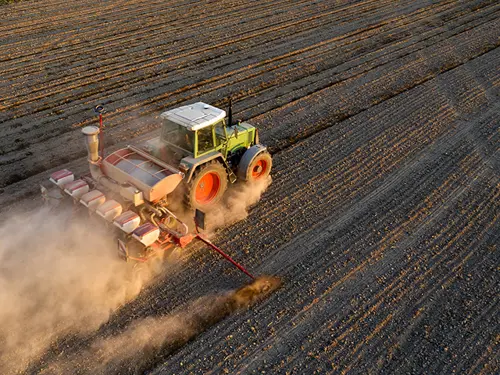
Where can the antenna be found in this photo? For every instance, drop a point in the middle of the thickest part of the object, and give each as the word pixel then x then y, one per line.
pixel 230 113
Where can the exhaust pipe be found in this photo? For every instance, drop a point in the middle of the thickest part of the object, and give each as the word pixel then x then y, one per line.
pixel 99 109
pixel 92 142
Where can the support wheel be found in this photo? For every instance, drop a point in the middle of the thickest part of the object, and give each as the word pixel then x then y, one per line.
pixel 207 186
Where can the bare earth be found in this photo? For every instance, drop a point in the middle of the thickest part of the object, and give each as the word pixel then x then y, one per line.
pixel 383 218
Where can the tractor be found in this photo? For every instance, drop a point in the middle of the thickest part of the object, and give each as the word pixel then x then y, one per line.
pixel 210 154
pixel 134 188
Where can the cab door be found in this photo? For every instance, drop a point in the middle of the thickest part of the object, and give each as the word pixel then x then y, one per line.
pixel 205 140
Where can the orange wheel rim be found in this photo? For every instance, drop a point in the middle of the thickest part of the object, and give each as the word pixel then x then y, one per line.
pixel 259 169
pixel 207 188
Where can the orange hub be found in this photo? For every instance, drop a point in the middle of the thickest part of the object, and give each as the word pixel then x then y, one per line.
pixel 207 188
pixel 259 169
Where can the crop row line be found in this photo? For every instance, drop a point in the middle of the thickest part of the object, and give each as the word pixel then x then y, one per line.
pixel 313 339
pixel 134 12
pixel 185 51
pixel 158 32
pixel 386 215
pixel 218 77
pixel 400 287
pixel 185 88
pixel 364 166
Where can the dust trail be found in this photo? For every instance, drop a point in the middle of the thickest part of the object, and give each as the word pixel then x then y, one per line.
pixel 146 342
pixel 57 276
pixel 235 205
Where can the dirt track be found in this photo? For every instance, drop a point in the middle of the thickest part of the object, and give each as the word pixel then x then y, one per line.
pixel 383 121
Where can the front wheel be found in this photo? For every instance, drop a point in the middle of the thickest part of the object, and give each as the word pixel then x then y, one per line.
pixel 207 186
pixel 255 165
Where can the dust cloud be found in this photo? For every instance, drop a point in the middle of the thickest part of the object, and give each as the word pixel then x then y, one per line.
pixel 236 203
pixel 145 342
pixel 58 276
pixel 233 207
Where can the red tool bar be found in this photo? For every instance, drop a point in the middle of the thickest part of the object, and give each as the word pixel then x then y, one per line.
pixel 239 266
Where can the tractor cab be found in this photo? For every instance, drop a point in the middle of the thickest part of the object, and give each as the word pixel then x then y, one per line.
pixel 191 128
pixel 199 129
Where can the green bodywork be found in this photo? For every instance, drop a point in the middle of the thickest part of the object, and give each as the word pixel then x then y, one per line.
pixel 197 147
pixel 223 139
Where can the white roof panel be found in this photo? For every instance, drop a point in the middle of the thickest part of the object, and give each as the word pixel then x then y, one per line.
pixel 195 116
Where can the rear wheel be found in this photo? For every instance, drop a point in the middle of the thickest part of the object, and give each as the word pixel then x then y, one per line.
pixel 207 186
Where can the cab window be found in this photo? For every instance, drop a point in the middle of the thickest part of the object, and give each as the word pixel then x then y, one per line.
pixel 220 132
pixel 177 135
pixel 205 140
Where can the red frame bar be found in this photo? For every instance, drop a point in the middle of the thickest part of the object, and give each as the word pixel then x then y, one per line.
pixel 237 265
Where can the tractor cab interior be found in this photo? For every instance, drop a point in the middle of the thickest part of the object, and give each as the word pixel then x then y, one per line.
pixel 205 139
pixel 213 136
pixel 177 135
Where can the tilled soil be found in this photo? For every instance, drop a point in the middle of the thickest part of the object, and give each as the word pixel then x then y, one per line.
pixel 383 120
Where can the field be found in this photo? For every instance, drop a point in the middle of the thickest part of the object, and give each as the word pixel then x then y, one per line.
pixel 383 218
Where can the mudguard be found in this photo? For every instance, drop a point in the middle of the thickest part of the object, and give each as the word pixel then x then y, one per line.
pixel 190 164
pixel 247 159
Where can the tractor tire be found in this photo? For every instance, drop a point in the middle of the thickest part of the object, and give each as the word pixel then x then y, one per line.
pixel 207 186
pixel 255 167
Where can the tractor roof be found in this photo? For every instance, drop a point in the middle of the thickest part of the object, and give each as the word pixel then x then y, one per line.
pixel 195 116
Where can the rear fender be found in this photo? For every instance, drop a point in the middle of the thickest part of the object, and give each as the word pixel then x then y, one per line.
pixel 247 159
pixel 191 164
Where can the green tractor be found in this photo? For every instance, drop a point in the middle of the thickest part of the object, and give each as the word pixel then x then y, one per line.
pixel 209 152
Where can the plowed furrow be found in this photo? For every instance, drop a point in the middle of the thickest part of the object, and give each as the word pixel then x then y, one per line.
pixel 82 124
pixel 161 57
